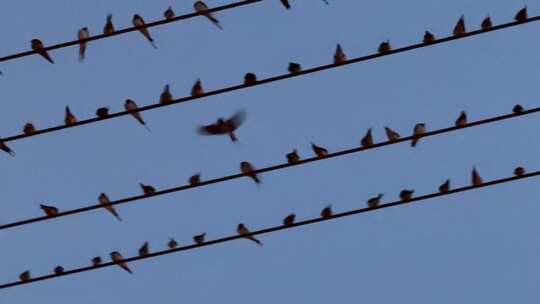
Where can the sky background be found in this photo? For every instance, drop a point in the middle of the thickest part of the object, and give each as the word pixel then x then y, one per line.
pixel 480 246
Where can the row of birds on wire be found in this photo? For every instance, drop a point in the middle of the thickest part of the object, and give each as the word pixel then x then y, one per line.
pixel 241 229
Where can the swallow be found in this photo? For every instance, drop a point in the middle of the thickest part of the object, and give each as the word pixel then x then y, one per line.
pixel 486 24
pixel 445 187
pixel 406 195
pixel 250 79
pixel 197 88
pixel 242 230
pixel 293 157
pixel 130 105
pixel 5 148
pixel 476 179
pixel 521 15
pixel 289 219
pixel 339 55
pixel 139 21
pixel 144 250
pixel 418 131
pixel 82 34
pixel 428 37
pixel 25 276
pixel 147 189
pixel 247 169
pixel 117 258
pixel 108 29
pixel 294 67
pixel 384 47
pixel 286 4
pixel 199 239
pixel 223 126
pixel 195 179
pixel 166 96
pixel 367 140
pixel 29 128
pixel 391 134
pixel 104 200
pixel 172 243
pixel 459 28
pixel 58 270
pixel 319 151
pixel 374 201
pixel 461 120
pixel 327 212
pixel 169 13
pixel 102 112
pixel 200 7
pixel 519 171
pixel 69 118
pixel 49 210
pixel 38 47
pixel 517 109
pixel 96 261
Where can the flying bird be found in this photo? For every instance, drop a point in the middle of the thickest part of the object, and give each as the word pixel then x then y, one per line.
pixel 82 34
pixel 242 230
pixel 49 210
pixel 367 140
pixel 250 79
pixel 319 151
pixel 339 55
pixel 5 148
pixel 169 13
pixel 25 276
pixel 139 21
pixel 374 201
pixel 327 212
pixel 224 126
pixel 172 243
pixel 130 105
pixel 521 15
pixel 144 250
pixel 517 109
pixel 69 118
pixel 294 67
pixel 293 157
pixel 428 37
pixel 486 23
pixel 147 189
pixel 459 28
pixel 199 239
pixel 286 4
pixel 418 131
pixel 384 47
pixel 117 258
pixel 58 270
pixel 289 219
pixel 247 169
pixel 96 261
pixel 476 179
pixel 29 128
pixel 461 120
pixel 166 96
pixel 195 179
pixel 391 134
pixel 519 171
pixel 200 7
pixel 108 29
pixel 104 200
pixel 406 195
pixel 38 47
pixel 197 88
pixel 102 112
pixel 445 187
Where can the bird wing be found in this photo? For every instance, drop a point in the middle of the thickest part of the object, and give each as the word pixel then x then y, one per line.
pixel 211 129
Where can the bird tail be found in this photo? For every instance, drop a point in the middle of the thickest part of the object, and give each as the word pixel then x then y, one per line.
pixel 257 241
pixel 127 269
pixel 152 42
pixel 49 59
pixel 82 50
pixel 215 21
pixel 414 142
pixel 146 126
pixel 115 214
pixel 256 179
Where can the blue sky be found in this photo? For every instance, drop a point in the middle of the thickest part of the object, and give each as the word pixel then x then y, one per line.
pixel 478 246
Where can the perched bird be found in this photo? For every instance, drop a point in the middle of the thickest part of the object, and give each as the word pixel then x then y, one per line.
pixel 225 126
pixel 428 37
pixel 339 55
pixel 200 7
pixel 461 120
pixel 367 140
pixel 69 118
pixel 25 276
pixel 459 28
pixel 289 219
pixel 139 21
pixel 118 259
pixel 130 105
pixel 195 179
pixel 476 179
pixel 82 34
pixel 242 230
pixel 250 79
pixel 327 212
pixel 385 47
pixel 247 169
pixel 445 187
pixel 197 88
pixel 391 134
pixel 294 67
pixel 418 131
pixel 519 171
pixel 144 250
pixel 38 47
pixel 5 148
pixel 58 270
pixel 166 96
pixel 486 24
pixel 169 13
pixel 49 210
pixel 104 200
pixel 147 189
pixel 374 201
pixel 521 15
pixel 199 239
pixel 109 27
pixel 293 157
pixel 172 243
pixel 286 4
pixel 29 128
pixel 319 151
pixel 406 195
pixel 517 109
pixel 102 112
pixel 96 261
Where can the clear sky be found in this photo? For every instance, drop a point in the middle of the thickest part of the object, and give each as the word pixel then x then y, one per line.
pixel 480 246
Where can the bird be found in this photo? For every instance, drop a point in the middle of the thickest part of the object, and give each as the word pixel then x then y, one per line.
pixel 147 189
pixel 82 34
pixel 5 148
pixel 247 169
pixel 339 55
pixel 169 13
pixel 166 96
pixel 29 128
pixel 250 79
pixel 385 47
pixel 486 23
pixel 102 112
pixel 391 134
pixel 461 120
pixel 25 276
pixel 418 131
pixel 327 212
pixel 374 201
pixel 108 29
pixel 293 157
pixel 517 109
pixel 225 126
pixel 104 200
pixel 58 270
pixel 319 151
pixel 459 28
pixel 96 261
pixel 144 250
pixel 172 243
pixel 405 194
pixel 38 47
pixel 367 140
pixel 521 15
pixel 130 105
pixel 195 179
pixel 242 230
pixel 445 187
pixel 294 67
pixel 476 179
pixel 428 37
pixel 519 171
pixel 197 88
pixel 200 7
pixel 199 239
pixel 69 118
pixel 286 4
pixel 289 219
pixel 139 21
pixel 117 258
pixel 49 210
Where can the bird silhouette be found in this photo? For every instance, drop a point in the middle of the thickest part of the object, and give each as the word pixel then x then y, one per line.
pixel 102 112
pixel 25 276
pixel 374 201
pixel 250 79
pixel 108 29
pixel 418 132
pixel 104 200
pixel 384 47
pixel 130 105
pixel 200 7
pixel 248 169
pixel 428 37
pixel 166 96
pixel 406 195
pixel 476 179
pixel 144 250
pixel 225 126
pixel 293 157
pixel 289 219
pixel 117 258
pixel 29 128
pixel 58 270
pixel 195 179
pixel 69 118
pixel 242 230
pixel 461 120
pixel 517 109
pixel 486 23
pixel 197 88
pixel 96 261
pixel 367 140
pixel 199 239
pixel 327 212
pixel 49 210
pixel 139 21
pixel 38 47
pixel 319 151
pixel 294 67
pixel 521 15
pixel 82 34
pixel 147 189
pixel 445 187
pixel 172 243
pixel 391 134
pixel 339 55
pixel 169 13
pixel 519 171
pixel 459 28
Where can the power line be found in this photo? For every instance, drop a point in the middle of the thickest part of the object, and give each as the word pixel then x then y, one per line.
pixel 277 228
pixel 266 169
pixel 269 80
